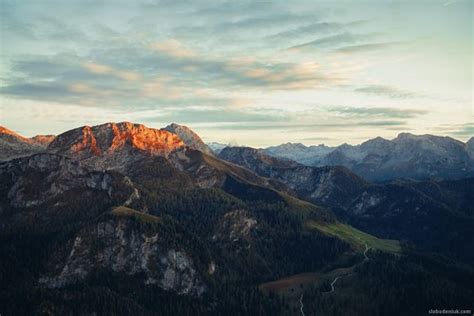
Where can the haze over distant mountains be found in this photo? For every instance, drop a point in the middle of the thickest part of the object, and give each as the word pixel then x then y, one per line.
pixel 406 156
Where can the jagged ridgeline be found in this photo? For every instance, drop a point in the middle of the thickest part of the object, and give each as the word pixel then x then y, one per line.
pixel 120 218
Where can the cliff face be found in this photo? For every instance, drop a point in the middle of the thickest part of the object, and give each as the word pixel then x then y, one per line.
pixel 120 243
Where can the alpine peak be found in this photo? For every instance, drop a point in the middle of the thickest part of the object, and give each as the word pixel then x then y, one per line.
pixel 111 137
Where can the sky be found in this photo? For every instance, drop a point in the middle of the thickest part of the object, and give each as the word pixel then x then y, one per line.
pixel 242 72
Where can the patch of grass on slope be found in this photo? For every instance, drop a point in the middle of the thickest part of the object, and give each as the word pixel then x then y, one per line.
pixel 307 209
pixel 128 212
pixel 355 236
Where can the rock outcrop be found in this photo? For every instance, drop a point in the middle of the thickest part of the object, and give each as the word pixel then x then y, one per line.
pixel 121 245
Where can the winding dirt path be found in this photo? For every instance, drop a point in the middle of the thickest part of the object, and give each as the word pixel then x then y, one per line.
pixel 301 303
pixel 334 282
pixel 366 258
pixel 365 251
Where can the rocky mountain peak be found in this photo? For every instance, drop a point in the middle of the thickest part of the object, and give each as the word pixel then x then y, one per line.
pixel 294 146
pixel 189 137
pixel 470 147
pixel 5 132
pixel 405 135
pixel 13 145
pixel 112 137
pixel 377 143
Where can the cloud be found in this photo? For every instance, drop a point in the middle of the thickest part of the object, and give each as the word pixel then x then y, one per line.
pixel 391 92
pixel 297 126
pixel 213 116
pixel 242 71
pixel 251 17
pixel 369 47
pixel 465 130
pixel 337 40
pixel 377 112
pixel 38 91
pixel 173 48
pixel 98 68
pixel 448 3
pixel 104 69
pixel 311 29
pixel 83 88
pixel 156 74
pixel 316 138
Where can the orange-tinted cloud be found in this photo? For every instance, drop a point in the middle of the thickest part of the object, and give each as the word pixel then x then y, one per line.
pixel 174 48
pixel 107 70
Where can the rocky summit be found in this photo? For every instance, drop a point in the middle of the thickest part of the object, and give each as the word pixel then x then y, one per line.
pixel 13 145
pixel 189 137
pixel 114 137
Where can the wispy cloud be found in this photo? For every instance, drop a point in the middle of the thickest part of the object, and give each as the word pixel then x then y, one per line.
pixel 383 112
pixel 107 70
pixel 312 29
pixel 337 40
pixel 370 47
pixel 448 3
pixel 465 130
pixel 313 126
pixel 388 91
pixel 213 116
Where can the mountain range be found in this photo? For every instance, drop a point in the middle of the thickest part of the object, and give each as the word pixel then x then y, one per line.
pixel 120 218
pixel 419 212
pixel 406 156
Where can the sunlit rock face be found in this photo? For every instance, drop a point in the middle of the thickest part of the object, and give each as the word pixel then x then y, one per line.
pixel 43 140
pixel 13 145
pixel 111 137
pixel 6 132
pixel 112 145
